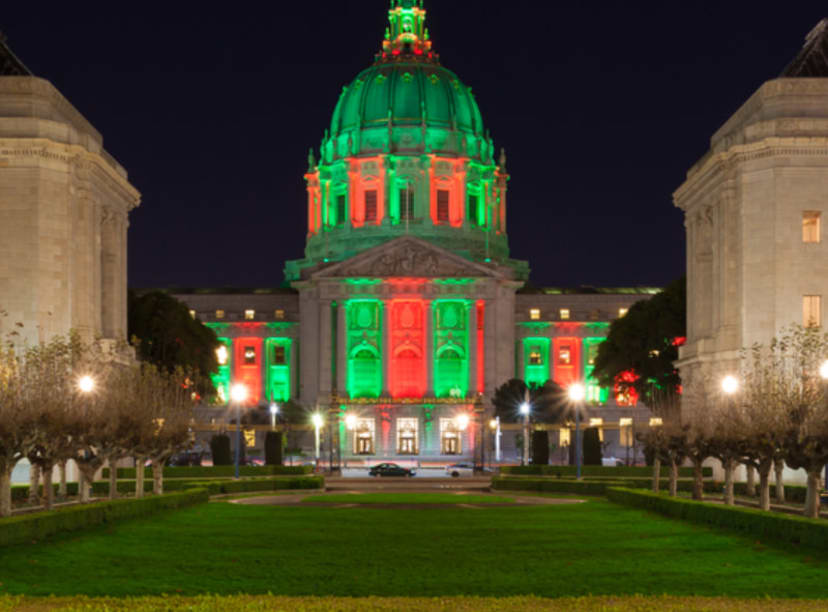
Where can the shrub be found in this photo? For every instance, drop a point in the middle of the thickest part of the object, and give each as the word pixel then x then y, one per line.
pixel 563 471
pixel 220 447
pixel 592 446
pixel 30 527
pixel 273 448
pixel 749 521
pixel 540 448
pixel 582 487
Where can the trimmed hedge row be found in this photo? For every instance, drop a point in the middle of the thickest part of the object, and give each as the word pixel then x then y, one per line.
pixel 217 471
pixel 31 527
pixel 756 523
pixel 562 471
pixel 582 487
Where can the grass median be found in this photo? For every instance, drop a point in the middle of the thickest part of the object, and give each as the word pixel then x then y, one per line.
pixel 594 548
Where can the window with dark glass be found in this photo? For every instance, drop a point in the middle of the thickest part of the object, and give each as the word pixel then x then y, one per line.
pixel 371 205
pixel 341 201
pixel 471 213
pixel 406 203
pixel 535 357
pixel 442 206
pixel 279 355
pixel 249 355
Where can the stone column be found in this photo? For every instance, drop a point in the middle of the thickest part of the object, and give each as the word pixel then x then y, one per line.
pixel 110 267
pixel 386 346
pixel 472 320
pixel 342 349
pixel 428 330
pixel 325 382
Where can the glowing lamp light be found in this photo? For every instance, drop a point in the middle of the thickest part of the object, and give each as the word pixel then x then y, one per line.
pixel 274 409
pixel 823 370
pixel 222 355
pixel 577 392
pixel 730 385
pixel 493 424
pixel 238 394
pixel 462 421
pixel 86 384
pixel 318 420
pixel 350 422
pixel 524 409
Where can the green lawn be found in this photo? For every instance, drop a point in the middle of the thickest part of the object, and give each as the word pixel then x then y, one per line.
pixel 551 551
pixel 408 499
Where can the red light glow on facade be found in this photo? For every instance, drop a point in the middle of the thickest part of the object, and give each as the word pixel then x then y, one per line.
pixel 567 361
pixel 481 352
pixel 247 362
pixel 407 366
pixel 625 394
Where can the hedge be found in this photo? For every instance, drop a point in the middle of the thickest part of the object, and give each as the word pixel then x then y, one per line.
pixel 582 487
pixel 627 471
pixel 748 521
pixel 217 471
pixel 32 527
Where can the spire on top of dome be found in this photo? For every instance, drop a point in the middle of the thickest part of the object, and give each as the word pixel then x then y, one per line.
pixel 407 38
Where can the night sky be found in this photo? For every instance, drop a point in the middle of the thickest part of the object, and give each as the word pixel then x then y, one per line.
pixel 601 106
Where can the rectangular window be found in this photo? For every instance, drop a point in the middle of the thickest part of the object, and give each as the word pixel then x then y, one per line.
pixel 812 311
pixel 622 312
pixel 473 204
pixel 535 356
pixel 811 226
pixel 341 201
pixel 442 206
pixel 364 437
pixel 626 432
pixel 407 436
pixel 193 314
pixel 279 355
pixel 220 314
pixel 249 355
pixel 371 205
pixel 279 315
pixel 407 203
pixel 565 314
pixel 451 442
pixel 249 315
pixel 565 355
pixel 535 314
pixel 564 437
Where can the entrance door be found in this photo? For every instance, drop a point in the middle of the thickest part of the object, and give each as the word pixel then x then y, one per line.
pixel 451 444
pixel 365 444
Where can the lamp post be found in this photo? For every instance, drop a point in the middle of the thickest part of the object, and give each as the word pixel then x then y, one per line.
pixel 577 393
pixel 494 424
pixel 86 385
pixel 274 410
pixel 318 420
pixel 238 395
pixel 525 409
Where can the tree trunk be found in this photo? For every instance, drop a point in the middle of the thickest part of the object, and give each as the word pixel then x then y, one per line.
pixel 113 479
pixel 139 477
pixel 157 476
pixel 812 497
pixel 674 471
pixel 85 479
pixel 728 492
pixel 779 468
pixel 5 491
pixel 764 486
pixel 48 490
pixel 698 480
pixel 34 484
pixel 656 474
pixel 62 492
pixel 751 480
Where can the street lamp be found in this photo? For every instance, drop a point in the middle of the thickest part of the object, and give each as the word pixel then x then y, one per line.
pixel 318 420
pixel 274 410
pixel 495 425
pixel 525 409
pixel 823 370
pixel 462 421
pixel 577 393
pixel 238 395
pixel 86 384
pixel 730 384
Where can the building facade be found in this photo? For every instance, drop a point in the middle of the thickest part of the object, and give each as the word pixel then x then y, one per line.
pixel 756 261
pixel 406 311
pixel 64 206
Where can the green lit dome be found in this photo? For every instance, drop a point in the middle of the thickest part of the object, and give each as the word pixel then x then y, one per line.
pixel 435 111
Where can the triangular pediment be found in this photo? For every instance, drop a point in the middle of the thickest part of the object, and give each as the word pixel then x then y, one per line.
pixel 408 257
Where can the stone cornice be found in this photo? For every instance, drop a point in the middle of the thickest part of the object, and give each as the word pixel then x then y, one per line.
pixel 15 151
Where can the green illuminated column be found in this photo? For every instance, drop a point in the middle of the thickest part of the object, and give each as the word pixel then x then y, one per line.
pixel 364 348
pixel 451 342
pixel 536 360
pixel 278 362
pixel 594 393
pixel 223 377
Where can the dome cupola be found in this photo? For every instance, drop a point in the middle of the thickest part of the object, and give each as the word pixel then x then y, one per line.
pixel 406 153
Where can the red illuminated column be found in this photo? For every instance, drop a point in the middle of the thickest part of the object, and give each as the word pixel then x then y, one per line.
pixel 567 358
pixel 428 331
pixel 386 347
pixel 481 352
pixel 474 354
pixel 247 366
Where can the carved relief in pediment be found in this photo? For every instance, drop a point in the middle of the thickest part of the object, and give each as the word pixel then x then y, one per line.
pixel 408 260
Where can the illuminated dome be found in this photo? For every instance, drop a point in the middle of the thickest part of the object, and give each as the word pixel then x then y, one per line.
pixel 406 154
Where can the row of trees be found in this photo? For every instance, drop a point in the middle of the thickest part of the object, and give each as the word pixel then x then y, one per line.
pixel 777 415
pixel 90 403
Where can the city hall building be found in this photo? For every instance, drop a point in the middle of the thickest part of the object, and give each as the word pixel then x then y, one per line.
pixel 406 311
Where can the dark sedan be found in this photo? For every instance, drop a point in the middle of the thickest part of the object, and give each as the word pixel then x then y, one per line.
pixel 390 469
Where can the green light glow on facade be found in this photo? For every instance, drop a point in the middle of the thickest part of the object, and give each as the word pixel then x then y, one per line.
pixel 277 376
pixel 451 353
pixel 222 378
pixel 363 281
pixel 280 326
pixel 536 360
pixel 594 393
pixel 536 325
pixel 599 325
pixel 217 326
pixel 454 281
pixel 364 322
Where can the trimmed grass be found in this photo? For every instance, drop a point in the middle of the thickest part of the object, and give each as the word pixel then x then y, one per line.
pixel 381 604
pixel 594 548
pixel 408 499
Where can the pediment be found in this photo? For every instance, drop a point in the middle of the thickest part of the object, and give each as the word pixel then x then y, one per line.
pixel 407 257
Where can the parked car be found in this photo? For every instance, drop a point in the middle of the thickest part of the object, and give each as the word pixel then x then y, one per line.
pixel 390 469
pixel 460 469
pixel 188 458
pixel 612 462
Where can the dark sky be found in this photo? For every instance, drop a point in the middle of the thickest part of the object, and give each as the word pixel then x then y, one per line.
pixel 601 106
